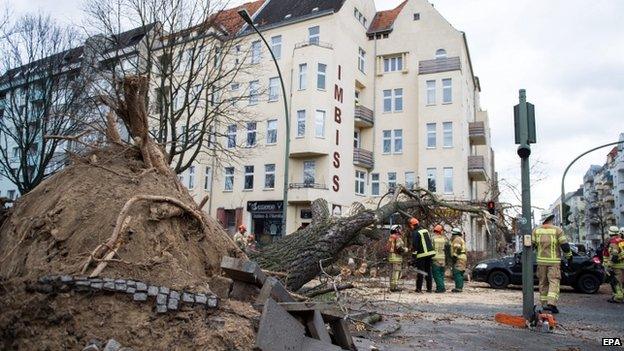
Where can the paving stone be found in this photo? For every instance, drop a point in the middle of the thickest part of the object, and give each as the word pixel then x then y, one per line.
pixel 140 286
pixel 121 287
pixel 161 299
pixel 213 302
pixel 112 345
pixel 106 280
pixel 152 290
pixel 174 295
pixel 201 299
pixel 161 308
pixel 91 348
pixel 109 286
pixel 131 283
pixel 187 298
pixel 139 297
pixel 274 289
pixel 96 280
pixel 131 290
pixel 67 279
pixel 97 286
pixel 172 304
pixel 163 290
pixel 79 278
pixel 120 281
pixel 45 280
pixel 126 349
pixel 83 283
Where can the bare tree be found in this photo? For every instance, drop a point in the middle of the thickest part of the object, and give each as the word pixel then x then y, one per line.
pixel 192 57
pixel 40 89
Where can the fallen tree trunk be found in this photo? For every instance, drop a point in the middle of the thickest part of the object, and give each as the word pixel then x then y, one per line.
pixel 301 253
pixel 329 289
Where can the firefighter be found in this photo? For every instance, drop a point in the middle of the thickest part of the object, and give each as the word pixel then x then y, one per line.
pixel 613 258
pixel 549 240
pixel 423 252
pixel 240 239
pixel 458 254
pixel 622 232
pixel 396 249
pixel 440 244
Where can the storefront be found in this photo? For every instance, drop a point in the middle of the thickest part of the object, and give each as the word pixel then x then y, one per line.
pixel 266 220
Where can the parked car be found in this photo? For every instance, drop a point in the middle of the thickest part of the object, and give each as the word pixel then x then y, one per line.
pixel 586 274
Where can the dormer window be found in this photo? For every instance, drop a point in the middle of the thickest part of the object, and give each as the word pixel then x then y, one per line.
pixel 440 54
pixel 315 9
pixel 287 16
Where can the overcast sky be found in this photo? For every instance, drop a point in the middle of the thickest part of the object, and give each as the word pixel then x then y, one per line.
pixel 568 54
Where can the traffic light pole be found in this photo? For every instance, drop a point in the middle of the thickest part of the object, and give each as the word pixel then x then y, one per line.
pixel 525 134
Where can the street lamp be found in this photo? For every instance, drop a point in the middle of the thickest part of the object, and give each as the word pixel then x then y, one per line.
pixel 245 16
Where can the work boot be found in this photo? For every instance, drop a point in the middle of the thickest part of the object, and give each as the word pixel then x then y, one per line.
pixel 456 290
pixel 429 291
pixel 395 289
pixel 612 300
pixel 440 291
pixel 419 291
pixel 551 308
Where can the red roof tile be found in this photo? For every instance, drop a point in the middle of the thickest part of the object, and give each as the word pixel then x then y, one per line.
pixel 384 20
pixel 229 19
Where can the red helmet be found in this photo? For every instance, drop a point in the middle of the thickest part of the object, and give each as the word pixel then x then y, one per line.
pixel 438 229
pixel 413 222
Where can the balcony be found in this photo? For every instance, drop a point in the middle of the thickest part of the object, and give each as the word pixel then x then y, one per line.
pixel 321 44
pixel 303 193
pixel 439 65
pixel 476 168
pixel 363 158
pixel 476 132
pixel 364 117
pixel 609 198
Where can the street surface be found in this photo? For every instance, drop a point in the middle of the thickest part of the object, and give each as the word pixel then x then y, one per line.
pixel 465 321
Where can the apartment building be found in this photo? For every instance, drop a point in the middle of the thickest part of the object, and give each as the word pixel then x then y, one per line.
pixel 375 99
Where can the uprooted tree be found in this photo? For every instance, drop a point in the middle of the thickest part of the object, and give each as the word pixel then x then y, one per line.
pixel 301 253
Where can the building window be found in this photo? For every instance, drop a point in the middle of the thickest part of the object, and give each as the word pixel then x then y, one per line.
pixel 387 141
pixel 191 178
pixel 447 91
pixel 271 132
pixel 229 178
pixel 375 184
pixel 393 64
pixel 431 135
pixel 11 194
pixel 360 178
pixel 398 141
pixel 269 176
pixel 416 16
pixel 447 130
pixel 431 92
pixel 273 88
pixel 387 100
pixel 309 170
pixel 391 180
pixel 360 17
pixel 410 180
pixel 319 124
pixel 431 179
pixel 320 76
pixel 208 179
pixel 276 46
pixel 255 52
pixel 231 136
pixel 440 54
pixel 303 76
pixel 448 180
pixel 301 122
pixel 251 134
pixel 361 59
pixel 249 175
pixel 234 86
pixel 254 87
pixel 314 35
pixel 356 138
pixel 398 99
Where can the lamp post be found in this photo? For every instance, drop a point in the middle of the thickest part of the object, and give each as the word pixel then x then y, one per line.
pixel 245 16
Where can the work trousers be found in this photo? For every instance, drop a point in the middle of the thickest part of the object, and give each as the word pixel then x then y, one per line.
pixel 618 293
pixel 423 264
pixel 458 273
pixel 438 276
pixel 396 275
pixel 549 278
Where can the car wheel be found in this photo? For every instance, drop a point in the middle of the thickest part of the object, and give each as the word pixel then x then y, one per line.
pixel 498 280
pixel 588 284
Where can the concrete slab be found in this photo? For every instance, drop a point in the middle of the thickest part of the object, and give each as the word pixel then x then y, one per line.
pixel 278 330
pixel 274 289
pixel 244 271
pixel 317 328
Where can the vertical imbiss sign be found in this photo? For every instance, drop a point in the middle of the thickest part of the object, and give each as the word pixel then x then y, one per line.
pixel 338 97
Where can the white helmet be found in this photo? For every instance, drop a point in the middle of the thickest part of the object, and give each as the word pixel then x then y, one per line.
pixel 613 230
pixel 395 228
pixel 622 230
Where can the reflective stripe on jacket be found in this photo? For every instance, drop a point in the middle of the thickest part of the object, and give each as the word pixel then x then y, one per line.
pixel 396 243
pixel 548 239
pixel 615 248
pixel 439 243
pixel 421 243
pixel 459 248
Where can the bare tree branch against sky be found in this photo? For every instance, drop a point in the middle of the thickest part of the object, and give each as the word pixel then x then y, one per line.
pixel 566 54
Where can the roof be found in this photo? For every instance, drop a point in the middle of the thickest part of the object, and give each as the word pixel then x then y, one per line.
pixel 384 20
pixel 278 11
pixel 229 19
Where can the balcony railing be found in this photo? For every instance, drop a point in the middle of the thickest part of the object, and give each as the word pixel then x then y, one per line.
pixel 363 158
pixel 439 65
pixel 476 168
pixel 314 43
pixel 307 185
pixel 364 117
pixel 476 132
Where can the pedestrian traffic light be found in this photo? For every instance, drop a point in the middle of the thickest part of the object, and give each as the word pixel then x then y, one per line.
pixel 491 207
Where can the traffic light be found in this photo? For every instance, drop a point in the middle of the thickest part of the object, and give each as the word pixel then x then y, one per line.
pixel 491 207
